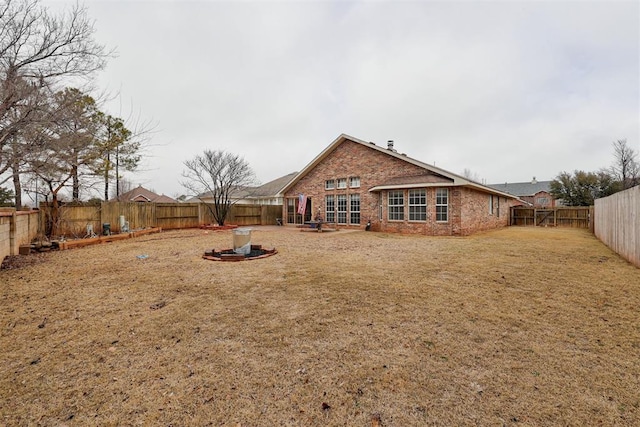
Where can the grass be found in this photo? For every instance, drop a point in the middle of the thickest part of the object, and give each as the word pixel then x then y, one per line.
pixel 521 326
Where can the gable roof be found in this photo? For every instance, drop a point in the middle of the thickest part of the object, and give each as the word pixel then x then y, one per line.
pixel 426 180
pixel 266 190
pixel 523 189
pixel 141 194
pixel 272 188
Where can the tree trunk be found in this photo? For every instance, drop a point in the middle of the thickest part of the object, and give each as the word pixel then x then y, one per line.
pixel 106 177
pixel 55 214
pixel 17 186
pixel 76 183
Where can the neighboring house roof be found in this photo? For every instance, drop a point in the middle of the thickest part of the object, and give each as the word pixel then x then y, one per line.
pixel 272 188
pixel 269 189
pixel 523 189
pixel 141 194
pixel 442 177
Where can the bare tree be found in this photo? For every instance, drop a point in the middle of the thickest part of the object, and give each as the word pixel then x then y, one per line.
pixel 217 174
pixel 17 133
pixel 470 175
pixel 124 186
pixel 38 51
pixel 626 167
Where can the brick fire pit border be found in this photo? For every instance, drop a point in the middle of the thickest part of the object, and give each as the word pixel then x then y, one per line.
pixel 230 256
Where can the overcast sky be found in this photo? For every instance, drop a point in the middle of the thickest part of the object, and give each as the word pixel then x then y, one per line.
pixel 508 90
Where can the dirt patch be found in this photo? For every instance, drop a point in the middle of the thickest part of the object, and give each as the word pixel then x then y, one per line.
pixel 523 326
pixel 21 261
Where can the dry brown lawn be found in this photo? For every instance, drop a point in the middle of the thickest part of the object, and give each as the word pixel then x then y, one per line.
pixel 522 326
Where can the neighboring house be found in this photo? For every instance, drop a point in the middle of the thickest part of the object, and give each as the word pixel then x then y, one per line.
pixel 141 194
pixel 265 194
pixel 534 193
pixel 353 182
pixel 269 193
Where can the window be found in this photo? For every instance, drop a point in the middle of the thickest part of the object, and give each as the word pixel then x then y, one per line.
pixel 490 204
pixel 542 201
pixel 329 184
pixel 354 209
pixel 342 208
pixel 418 205
pixel 442 204
pixel 396 205
pixel 330 209
pixel 342 183
pixel 354 182
pixel 291 210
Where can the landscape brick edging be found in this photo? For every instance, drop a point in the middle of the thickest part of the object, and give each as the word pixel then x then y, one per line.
pixel 70 244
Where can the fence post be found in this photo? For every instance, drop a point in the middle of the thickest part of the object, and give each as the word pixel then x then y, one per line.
pixel 12 233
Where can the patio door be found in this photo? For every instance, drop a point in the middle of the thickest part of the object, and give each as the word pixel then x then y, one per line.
pixel 293 205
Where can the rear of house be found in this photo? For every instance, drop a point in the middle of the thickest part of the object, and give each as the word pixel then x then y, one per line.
pixel 353 183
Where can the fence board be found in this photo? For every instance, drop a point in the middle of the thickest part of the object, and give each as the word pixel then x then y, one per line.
pixel 75 218
pixel 617 223
pixel 177 215
pixel 74 222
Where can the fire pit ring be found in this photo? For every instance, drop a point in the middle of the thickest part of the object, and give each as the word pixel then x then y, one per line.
pixel 230 255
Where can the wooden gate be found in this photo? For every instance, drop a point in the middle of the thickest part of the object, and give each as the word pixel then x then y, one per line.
pixel 571 216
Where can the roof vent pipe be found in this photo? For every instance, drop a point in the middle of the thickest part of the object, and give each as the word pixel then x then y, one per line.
pixel 390 145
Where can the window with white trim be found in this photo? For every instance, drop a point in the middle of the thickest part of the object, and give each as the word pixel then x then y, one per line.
pixel 418 205
pixel 396 205
pixel 342 208
pixel 354 208
pixel 330 209
pixel 490 204
pixel 354 182
pixel 329 184
pixel 342 183
pixel 442 204
pixel 291 210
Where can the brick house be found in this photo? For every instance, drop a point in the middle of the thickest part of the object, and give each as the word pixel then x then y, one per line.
pixel 353 182
pixel 534 193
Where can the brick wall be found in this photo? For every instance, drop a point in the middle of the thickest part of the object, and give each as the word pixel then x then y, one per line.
pixel 16 228
pixel 476 214
pixel 468 210
pixel 25 229
pixel 5 234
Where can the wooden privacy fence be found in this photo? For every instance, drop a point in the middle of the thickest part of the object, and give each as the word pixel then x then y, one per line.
pixel 79 220
pixel 617 223
pixel 574 216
